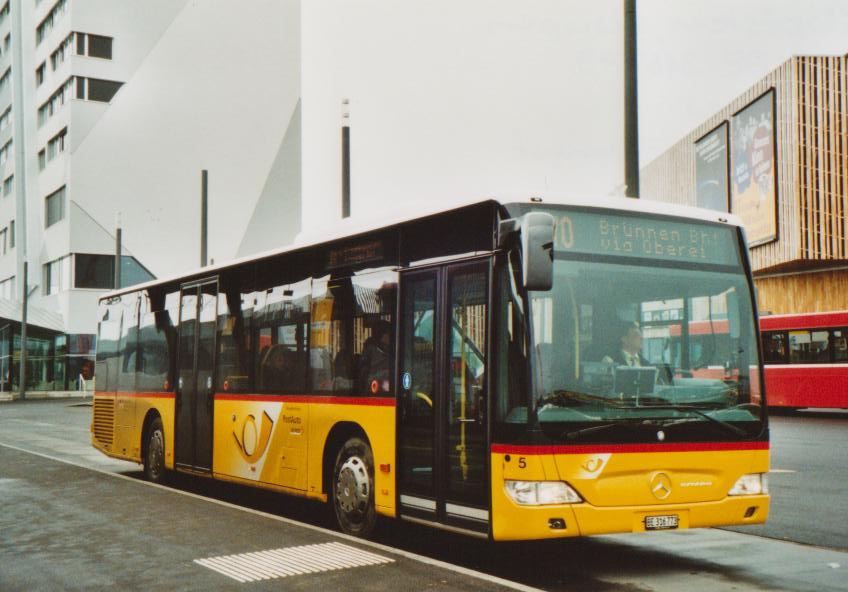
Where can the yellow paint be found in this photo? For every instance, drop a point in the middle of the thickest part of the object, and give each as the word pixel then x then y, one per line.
pixel 616 488
pixel 275 444
pixel 130 412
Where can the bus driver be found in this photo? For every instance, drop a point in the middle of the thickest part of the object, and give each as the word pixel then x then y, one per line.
pixel 630 347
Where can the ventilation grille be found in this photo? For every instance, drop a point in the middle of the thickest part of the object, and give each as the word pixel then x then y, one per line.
pixel 104 420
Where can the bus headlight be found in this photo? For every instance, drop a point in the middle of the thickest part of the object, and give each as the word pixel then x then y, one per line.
pixel 541 493
pixel 750 484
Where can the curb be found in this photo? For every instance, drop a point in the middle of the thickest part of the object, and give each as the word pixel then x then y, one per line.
pixel 44 396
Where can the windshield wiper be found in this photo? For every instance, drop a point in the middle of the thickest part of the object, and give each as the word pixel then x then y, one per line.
pixel 590 430
pixel 565 398
pixel 697 411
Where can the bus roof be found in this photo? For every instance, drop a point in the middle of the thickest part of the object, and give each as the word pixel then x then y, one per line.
pixel 409 212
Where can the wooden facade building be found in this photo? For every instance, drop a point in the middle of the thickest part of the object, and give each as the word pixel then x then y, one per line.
pixel 804 266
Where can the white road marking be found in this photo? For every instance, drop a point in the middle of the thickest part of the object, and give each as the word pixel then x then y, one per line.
pixel 289 561
pixel 782 471
pixel 331 533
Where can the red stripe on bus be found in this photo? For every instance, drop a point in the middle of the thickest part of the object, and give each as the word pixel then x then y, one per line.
pixel 370 401
pixel 138 395
pixel 629 448
pixel 819 320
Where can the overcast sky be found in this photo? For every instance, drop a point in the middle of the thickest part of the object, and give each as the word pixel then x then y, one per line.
pixel 695 56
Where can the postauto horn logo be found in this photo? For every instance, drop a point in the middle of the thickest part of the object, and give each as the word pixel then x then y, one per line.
pixel 253 442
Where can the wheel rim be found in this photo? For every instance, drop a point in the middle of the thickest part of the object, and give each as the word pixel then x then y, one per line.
pixel 353 488
pixel 155 454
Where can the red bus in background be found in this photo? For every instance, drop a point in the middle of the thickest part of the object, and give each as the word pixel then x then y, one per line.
pixel 709 354
pixel 806 359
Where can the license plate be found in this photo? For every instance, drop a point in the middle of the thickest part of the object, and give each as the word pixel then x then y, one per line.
pixel 661 522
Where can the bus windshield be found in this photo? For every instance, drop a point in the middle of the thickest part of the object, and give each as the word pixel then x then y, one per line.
pixel 644 344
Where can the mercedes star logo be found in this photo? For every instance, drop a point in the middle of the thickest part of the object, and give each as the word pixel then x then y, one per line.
pixel 661 486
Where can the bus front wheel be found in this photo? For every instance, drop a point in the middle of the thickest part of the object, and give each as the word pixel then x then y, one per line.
pixel 154 455
pixel 353 488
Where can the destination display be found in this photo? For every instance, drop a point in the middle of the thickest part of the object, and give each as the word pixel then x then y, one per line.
pixel 355 255
pixel 643 237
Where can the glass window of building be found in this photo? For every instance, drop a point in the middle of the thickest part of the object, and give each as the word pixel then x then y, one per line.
pixel 5 151
pixel 57 275
pixel 7 288
pixel 94 271
pixel 100 47
pixel 54 207
pixel 133 272
pixel 102 90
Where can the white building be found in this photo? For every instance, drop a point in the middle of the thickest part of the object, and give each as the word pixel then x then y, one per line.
pixel 115 106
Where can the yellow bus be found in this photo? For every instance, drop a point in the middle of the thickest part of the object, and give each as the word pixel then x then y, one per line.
pixel 504 369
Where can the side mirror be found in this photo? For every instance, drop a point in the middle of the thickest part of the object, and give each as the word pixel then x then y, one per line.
pixel 537 250
pixel 536 232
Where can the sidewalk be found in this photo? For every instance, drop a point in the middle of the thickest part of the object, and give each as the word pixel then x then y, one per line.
pixel 42 395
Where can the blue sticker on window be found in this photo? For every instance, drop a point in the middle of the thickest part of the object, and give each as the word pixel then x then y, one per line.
pixel 406 381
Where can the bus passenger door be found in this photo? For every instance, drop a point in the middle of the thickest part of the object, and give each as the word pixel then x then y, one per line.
pixel 442 425
pixel 195 380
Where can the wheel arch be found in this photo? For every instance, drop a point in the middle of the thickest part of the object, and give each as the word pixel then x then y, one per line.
pixel 151 416
pixel 340 433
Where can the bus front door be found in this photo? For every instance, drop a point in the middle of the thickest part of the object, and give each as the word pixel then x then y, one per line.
pixel 195 378
pixel 442 439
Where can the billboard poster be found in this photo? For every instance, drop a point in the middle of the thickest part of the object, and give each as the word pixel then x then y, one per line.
pixel 711 170
pixel 753 169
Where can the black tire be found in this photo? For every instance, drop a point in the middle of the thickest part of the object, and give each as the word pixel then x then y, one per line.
pixel 154 453
pixel 353 488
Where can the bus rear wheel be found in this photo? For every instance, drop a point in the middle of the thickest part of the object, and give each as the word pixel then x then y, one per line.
pixel 154 453
pixel 353 488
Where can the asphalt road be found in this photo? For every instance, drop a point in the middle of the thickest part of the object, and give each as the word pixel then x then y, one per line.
pixel 808 479
pixel 96 525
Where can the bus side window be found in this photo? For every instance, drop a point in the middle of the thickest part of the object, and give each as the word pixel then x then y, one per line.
pixel 374 332
pixel 774 347
pixel 128 344
pixel 808 347
pixel 840 345
pixel 282 315
pixel 352 333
